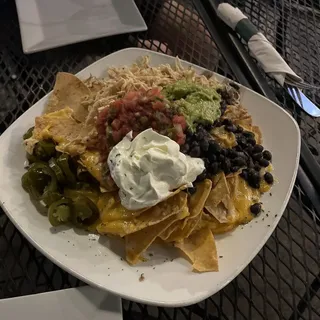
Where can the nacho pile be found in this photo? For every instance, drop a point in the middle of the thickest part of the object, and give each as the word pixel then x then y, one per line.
pixel 77 188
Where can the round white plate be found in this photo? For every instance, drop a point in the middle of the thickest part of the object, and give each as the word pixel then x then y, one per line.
pixel 168 280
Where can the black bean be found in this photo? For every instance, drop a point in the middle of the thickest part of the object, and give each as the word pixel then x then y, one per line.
pixel 185 148
pixel 268 177
pixel 254 184
pixel 240 162
pixel 214 147
pixel 234 169
pixel 254 179
pixel 206 162
pixel 202 176
pixel 195 152
pixel 243 142
pixel 267 155
pixel 241 154
pixel 232 154
pixel 212 157
pixel 226 166
pixel 257 167
pixel 191 190
pixel 255 208
pixel 214 167
pixel 227 122
pixel 204 145
pixel 244 174
pixel 257 148
pixel 249 149
pixel 251 141
pixel 222 158
pixel 199 135
pixel 257 156
pixel 250 163
pixel 231 128
pixel 248 134
pixel 263 162
pixel 238 148
pixel 224 152
pixel 223 107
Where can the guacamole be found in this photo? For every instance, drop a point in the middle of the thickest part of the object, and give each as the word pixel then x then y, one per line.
pixel 198 103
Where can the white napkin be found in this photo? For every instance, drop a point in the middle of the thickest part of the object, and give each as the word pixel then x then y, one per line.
pixel 261 49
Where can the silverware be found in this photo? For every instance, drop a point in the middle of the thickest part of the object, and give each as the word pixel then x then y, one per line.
pixel 303 101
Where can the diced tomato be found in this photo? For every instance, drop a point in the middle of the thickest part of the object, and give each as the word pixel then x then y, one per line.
pixel 116 124
pixel 116 136
pixel 136 112
pixel 180 120
pixel 132 95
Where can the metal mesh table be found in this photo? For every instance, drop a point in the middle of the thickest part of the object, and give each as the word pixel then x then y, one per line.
pixel 283 280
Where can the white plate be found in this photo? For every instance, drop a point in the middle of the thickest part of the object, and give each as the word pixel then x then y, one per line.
pixel 167 283
pixel 81 304
pixel 48 24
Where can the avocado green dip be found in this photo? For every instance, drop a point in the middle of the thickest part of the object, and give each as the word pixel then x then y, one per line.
pixel 198 103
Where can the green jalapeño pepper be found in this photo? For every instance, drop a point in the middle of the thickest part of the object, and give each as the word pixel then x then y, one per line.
pixel 63 163
pixel 84 212
pixel 59 212
pixel 44 150
pixel 57 170
pixel 41 183
pixel 28 134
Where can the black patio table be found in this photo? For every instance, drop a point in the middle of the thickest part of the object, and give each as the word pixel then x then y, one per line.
pixel 283 280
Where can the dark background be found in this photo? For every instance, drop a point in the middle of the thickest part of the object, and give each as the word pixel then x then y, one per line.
pixel 282 282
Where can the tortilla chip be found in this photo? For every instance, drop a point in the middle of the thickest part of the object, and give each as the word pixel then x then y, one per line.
pixel 152 216
pixel 225 139
pixel 242 197
pixel 138 242
pixel 201 249
pixel 195 203
pixel 91 161
pixel 238 115
pixel 61 127
pixel 68 91
pixel 207 220
pixel 110 208
pixel 219 193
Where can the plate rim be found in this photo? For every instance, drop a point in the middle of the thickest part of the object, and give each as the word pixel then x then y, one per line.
pixel 237 270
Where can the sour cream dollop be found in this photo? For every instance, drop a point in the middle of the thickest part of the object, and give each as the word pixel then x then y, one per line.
pixel 147 168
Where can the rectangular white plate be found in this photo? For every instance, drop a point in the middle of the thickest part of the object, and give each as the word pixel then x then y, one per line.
pixel 83 303
pixel 100 262
pixel 48 24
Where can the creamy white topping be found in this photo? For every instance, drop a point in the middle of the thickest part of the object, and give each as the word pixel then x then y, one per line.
pixel 147 168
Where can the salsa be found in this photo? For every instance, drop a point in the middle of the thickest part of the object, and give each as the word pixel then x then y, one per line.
pixel 136 112
pixel 198 103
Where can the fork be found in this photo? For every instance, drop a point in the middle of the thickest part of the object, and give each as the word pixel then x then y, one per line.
pixel 303 101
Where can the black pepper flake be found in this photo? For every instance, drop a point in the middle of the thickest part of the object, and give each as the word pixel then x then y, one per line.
pixel 270 194
pixel 121 259
pixel 262 219
pixel 118 154
pixel 220 257
pixel 125 175
pixel 267 215
pixel 131 188
pixel 141 278
pixel 268 225
pixel 150 254
pixel 275 215
pixel 122 269
pixel 153 268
